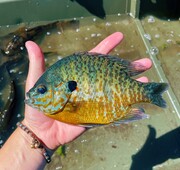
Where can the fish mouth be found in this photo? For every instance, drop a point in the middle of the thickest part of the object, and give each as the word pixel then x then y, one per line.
pixel 28 100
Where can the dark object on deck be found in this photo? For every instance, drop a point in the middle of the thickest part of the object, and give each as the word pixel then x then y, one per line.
pixel 157 150
pixel 6 97
pixel 95 7
pixel 14 43
pixel 164 9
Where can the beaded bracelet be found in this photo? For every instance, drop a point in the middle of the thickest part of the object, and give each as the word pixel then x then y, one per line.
pixel 36 143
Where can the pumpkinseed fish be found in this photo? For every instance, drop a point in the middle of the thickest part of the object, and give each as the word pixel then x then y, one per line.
pixel 90 89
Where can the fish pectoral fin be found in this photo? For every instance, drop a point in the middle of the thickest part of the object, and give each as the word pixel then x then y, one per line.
pixel 62 95
pixel 134 115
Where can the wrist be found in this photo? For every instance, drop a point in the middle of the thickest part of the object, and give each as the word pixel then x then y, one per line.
pixel 25 140
pixel 36 143
pixel 17 152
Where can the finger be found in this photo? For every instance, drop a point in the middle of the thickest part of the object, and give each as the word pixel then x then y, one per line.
pixel 143 79
pixel 142 64
pixel 36 64
pixel 105 46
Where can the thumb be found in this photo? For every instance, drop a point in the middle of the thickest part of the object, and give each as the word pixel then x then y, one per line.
pixel 36 64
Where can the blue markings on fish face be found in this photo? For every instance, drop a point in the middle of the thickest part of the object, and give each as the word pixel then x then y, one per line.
pixel 40 96
pixel 50 98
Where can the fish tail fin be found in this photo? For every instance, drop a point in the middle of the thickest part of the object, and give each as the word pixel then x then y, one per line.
pixel 155 93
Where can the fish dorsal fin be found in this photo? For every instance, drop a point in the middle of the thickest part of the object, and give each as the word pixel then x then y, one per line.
pixel 134 115
pixel 131 68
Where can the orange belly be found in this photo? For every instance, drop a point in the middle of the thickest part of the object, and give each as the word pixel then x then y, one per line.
pixel 90 113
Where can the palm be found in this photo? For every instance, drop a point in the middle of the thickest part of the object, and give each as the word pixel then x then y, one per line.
pixel 52 132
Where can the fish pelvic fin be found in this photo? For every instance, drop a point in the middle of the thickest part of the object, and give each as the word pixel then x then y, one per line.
pixel 134 115
pixel 155 91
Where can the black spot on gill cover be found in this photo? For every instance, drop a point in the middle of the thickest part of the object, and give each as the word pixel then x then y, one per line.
pixel 72 85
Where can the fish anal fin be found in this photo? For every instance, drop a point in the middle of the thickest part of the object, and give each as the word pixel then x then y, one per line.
pixel 89 125
pixel 134 115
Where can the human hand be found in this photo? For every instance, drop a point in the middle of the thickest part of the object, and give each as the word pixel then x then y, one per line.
pixel 52 132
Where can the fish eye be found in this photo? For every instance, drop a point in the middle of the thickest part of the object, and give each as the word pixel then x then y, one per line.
pixel 41 89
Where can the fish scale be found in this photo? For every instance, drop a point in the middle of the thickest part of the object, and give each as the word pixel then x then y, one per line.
pixel 103 91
